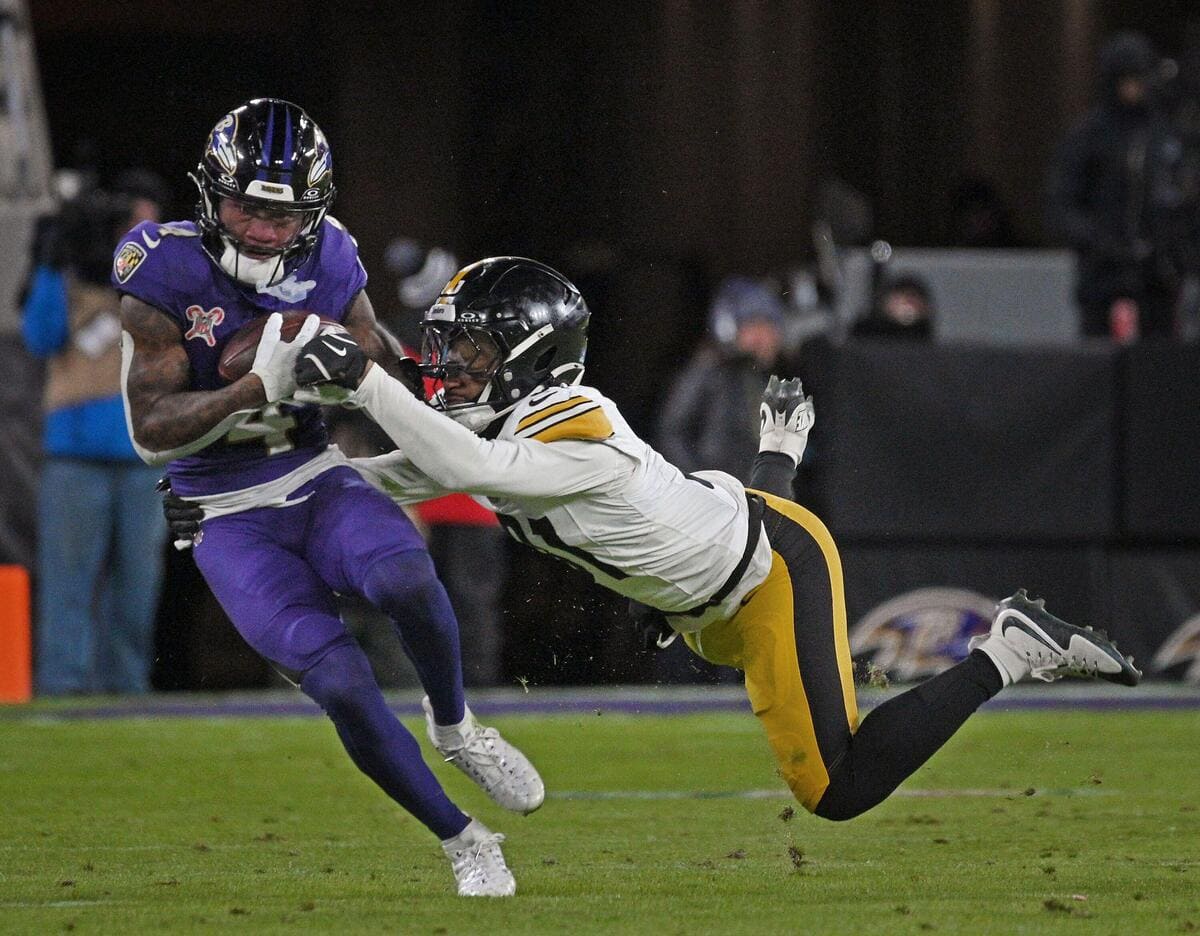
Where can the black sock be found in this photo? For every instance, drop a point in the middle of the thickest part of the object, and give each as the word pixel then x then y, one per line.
pixel 773 472
pixel 902 733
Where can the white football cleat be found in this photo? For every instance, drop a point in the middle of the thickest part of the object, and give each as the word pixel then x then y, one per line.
pixel 1027 640
pixel 478 863
pixel 504 773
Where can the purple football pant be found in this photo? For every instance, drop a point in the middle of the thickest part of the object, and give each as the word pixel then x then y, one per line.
pixel 275 570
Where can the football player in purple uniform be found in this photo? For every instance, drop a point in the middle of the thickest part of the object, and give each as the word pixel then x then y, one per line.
pixel 289 523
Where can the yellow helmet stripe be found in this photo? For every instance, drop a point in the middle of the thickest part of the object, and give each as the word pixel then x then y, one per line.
pixel 455 281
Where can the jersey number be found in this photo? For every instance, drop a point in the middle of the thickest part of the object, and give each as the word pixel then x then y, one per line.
pixel 269 427
pixel 542 528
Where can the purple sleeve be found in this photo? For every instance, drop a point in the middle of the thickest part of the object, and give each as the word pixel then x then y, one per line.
pixel 339 257
pixel 150 267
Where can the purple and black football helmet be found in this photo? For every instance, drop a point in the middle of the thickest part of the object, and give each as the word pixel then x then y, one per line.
pixel 267 153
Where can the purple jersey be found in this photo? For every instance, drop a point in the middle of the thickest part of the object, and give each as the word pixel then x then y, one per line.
pixel 166 266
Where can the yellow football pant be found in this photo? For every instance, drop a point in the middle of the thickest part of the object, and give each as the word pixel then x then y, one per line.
pixel 790 639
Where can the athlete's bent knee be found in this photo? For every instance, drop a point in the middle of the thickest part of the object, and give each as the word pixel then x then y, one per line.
pixel 339 681
pixel 842 799
pixel 400 581
pixel 836 808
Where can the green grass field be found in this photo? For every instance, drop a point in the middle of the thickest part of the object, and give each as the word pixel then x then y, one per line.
pixel 1041 822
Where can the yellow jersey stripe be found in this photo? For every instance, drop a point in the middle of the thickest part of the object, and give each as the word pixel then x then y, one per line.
pixel 592 425
pixel 534 418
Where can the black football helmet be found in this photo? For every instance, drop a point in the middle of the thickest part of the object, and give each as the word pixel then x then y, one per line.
pixel 270 154
pixel 532 314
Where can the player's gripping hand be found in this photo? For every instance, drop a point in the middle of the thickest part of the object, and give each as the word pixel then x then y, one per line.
pixel 785 417
pixel 275 359
pixel 183 517
pixel 333 358
pixel 650 626
pixel 408 372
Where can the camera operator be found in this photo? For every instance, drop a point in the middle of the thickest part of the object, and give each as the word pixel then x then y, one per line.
pixel 99 533
pixel 1115 196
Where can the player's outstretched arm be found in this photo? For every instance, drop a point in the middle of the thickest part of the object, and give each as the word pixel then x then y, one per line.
pixel 379 345
pixel 165 419
pixel 447 453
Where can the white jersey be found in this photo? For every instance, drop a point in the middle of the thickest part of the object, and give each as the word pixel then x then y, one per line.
pixel 569 477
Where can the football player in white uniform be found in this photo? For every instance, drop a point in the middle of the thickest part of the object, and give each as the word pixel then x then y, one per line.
pixel 749 579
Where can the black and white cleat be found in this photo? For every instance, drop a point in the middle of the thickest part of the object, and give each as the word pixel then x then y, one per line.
pixel 1054 648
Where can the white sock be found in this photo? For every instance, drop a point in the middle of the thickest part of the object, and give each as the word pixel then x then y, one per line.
pixel 1013 666
pixel 471 833
pixel 451 736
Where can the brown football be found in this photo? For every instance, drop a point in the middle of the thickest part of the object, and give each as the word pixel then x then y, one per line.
pixel 237 357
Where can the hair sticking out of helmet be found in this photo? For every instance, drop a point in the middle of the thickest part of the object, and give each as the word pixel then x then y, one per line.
pixel 530 314
pixel 266 182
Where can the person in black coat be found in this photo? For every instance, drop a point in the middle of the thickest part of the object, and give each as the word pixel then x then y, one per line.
pixel 1113 196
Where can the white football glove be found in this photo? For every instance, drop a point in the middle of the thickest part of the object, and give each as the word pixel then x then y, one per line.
pixel 275 360
pixel 785 417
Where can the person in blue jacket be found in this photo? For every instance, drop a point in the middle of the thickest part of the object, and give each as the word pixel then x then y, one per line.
pixel 100 542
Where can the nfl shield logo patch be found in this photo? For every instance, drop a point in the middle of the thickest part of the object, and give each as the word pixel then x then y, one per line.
pixel 128 260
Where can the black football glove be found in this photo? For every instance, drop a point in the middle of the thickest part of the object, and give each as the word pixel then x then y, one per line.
pixel 183 517
pixel 408 372
pixel 650 626
pixel 331 358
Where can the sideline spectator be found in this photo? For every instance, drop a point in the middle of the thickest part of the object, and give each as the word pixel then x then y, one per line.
pixel 711 415
pixel 904 309
pixel 1114 196
pixel 468 547
pixel 100 539
pixel 710 418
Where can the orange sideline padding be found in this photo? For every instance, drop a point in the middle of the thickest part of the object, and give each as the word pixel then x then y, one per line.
pixel 16 677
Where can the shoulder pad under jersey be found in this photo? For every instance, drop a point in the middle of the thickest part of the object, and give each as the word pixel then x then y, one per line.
pixel 155 262
pixel 561 413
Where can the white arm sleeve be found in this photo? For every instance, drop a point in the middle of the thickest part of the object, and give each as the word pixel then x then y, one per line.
pixel 459 460
pixel 398 478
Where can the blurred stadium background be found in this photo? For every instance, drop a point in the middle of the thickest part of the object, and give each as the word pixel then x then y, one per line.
pixel 648 151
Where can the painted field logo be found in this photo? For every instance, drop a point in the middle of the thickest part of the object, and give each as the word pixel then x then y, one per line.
pixel 921 633
pixel 1180 649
